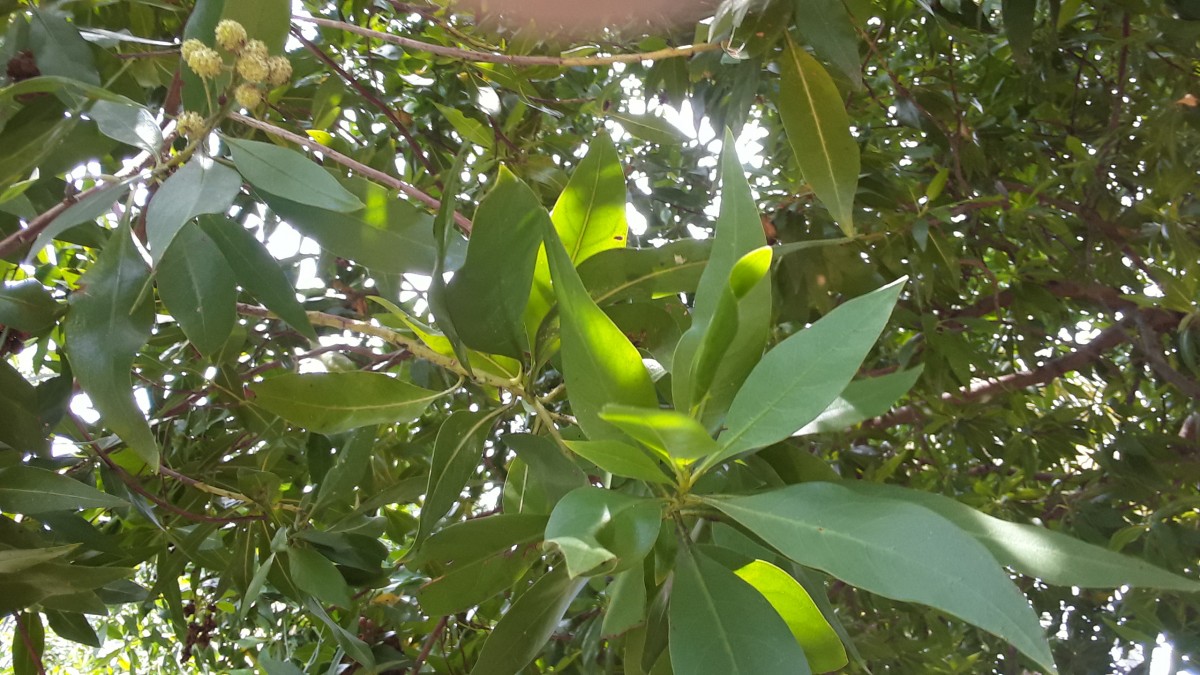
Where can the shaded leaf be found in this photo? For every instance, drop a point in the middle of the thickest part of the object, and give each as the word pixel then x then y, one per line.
pixel 289 174
pixel 29 490
pixel 129 124
pixel 72 626
pixel 828 27
pixel 316 575
pixel 59 49
pixel 628 273
pixel 332 402
pixel 456 454
pixel 528 624
pixel 626 602
pixel 27 306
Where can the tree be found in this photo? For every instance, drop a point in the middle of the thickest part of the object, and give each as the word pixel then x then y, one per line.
pixel 908 384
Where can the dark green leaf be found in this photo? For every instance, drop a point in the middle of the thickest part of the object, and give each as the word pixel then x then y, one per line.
pixel 286 173
pixel 27 306
pixel 132 125
pixel 29 490
pixel 201 187
pixel 28 644
pixel 338 484
pixel 528 624
pixel 332 402
pixel 477 539
pixel 59 49
pixel 197 285
pixel 626 273
pixel 626 602
pixel 467 584
pixel 456 454
pixel 22 429
pixel 1018 26
pixel 85 210
pixel 72 626
pixel 827 26
pixel 316 575
pixel 14 560
pixel 550 471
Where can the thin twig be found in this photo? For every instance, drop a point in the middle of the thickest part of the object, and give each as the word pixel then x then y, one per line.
pixel 428 646
pixel 1151 348
pixel 354 165
pixel 21 238
pixel 511 59
pixel 34 657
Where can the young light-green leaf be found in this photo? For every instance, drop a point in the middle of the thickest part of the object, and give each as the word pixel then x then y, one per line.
pixel 896 549
pixel 328 403
pixel 1054 557
pixel 822 646
pixel 289 174
pixel 600 365
pixel 528 624
pixel 673 435
pixel 197 285
pixel 106 327
pixel 802 375
pixel 201 187
pixel 819 132
pixel 620 459
pixel 720 625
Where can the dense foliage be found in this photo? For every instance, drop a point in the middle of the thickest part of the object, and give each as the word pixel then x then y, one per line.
pixel 373 339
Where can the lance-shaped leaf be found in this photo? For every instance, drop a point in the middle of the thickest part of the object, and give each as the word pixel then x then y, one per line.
pixel 822 646
pixel 626 602
pixel 444 235
pixel 673 435
pixel 601 531
pixel 477 539
pixel 14 560
pixel 802 375
pixel 1054 557
pixel 819 132
pixel 528 624
pixel 27 306
pixel 257 271
pixel 286 173
pixel 197 285
pixel 29 490
pixel 828 27
pixel 620 459
pixel 328 403
pixel 862 400
pixel 201 187
pixel 644 273
pixel 589 217
pixel 314 574
pixel 738 231
pixel 456 454
pixel 130 124
pixel 487 296
pixel 1019 18
pixel 105 327
pixel 896 549
pixel 73 626
pixel 720 625
pixel 465 585
pixel 23 428
pixel 600 365
pixel 339 483
pixel 548 470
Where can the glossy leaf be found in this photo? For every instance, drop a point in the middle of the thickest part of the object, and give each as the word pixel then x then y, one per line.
pixel 802 375
pixel 628 273
pixel 456 454
pixel 85 210
pixel 720 625
pixel 487 296
pixel 477 539
pixel 30 491
pixel 620 459
pixel 1051 556
pixel 601 531
pixel 896 549
pixel 600 365
pixel 529 623
pixel 132 125
pixel 331 402
pixel 819 132
pixel 673 435
pixel 257 271
pixel 822 646
pixel 27 306
pixel 863 399
pixel 286 173
pixel 197 286
pixel 200 187
pixel 106 326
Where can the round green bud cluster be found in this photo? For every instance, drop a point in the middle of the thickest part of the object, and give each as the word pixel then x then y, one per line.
pixel 189 123
pixel 253 63
pixel 231 36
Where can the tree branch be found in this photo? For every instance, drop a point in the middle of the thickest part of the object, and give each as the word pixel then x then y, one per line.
pixel 22 238
pixel 1151 348
pixel 354 165
pixel 513 60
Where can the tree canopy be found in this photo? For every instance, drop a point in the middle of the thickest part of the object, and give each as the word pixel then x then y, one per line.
pixel 816 335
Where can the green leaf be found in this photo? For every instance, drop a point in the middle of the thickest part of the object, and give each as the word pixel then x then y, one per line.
pixel 16 559
pixel 626 602
pixel 1051 556
pixel 59 49
pixel 129 124
pixel 551 472
pixel 600 531
pixel 478 539
pixel 469 129
pixel 589 218
pixel 27 306
pixel 487 296
pixel 822 646
pixel 467 584
pixel 721 626
pixel 314 574
pixel 600 365
pixel 106 326
pixel 257 271
pixel 828 27
pixel 72 626
pixel 286 173
pixel 22 428
pixel 200 26
pixel 85 210
pixel 802 375
pixel 328 403
pixel 650 128
pixel 863 399
pixel 255 587
pixel 197 286
pixel 29 490
pixel 671 434
pixel 1019 17
pixel 444 234
pixel 819 132
pixel 620 459
pixel 387 235
pixel 28 644
pixel 266 20
pixel 896 549
pixel 456 454
pixel 201 187
pixel 338 484
pixel 528 625
pixel 738 231
pixel 350 643
pixel 622 274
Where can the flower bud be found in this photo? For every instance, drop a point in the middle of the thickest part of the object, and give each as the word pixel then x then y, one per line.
pixel 205 62
pixel 253 68
pixel 231 35
pixel 248 95
pixel 189 123
pixel 281 70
